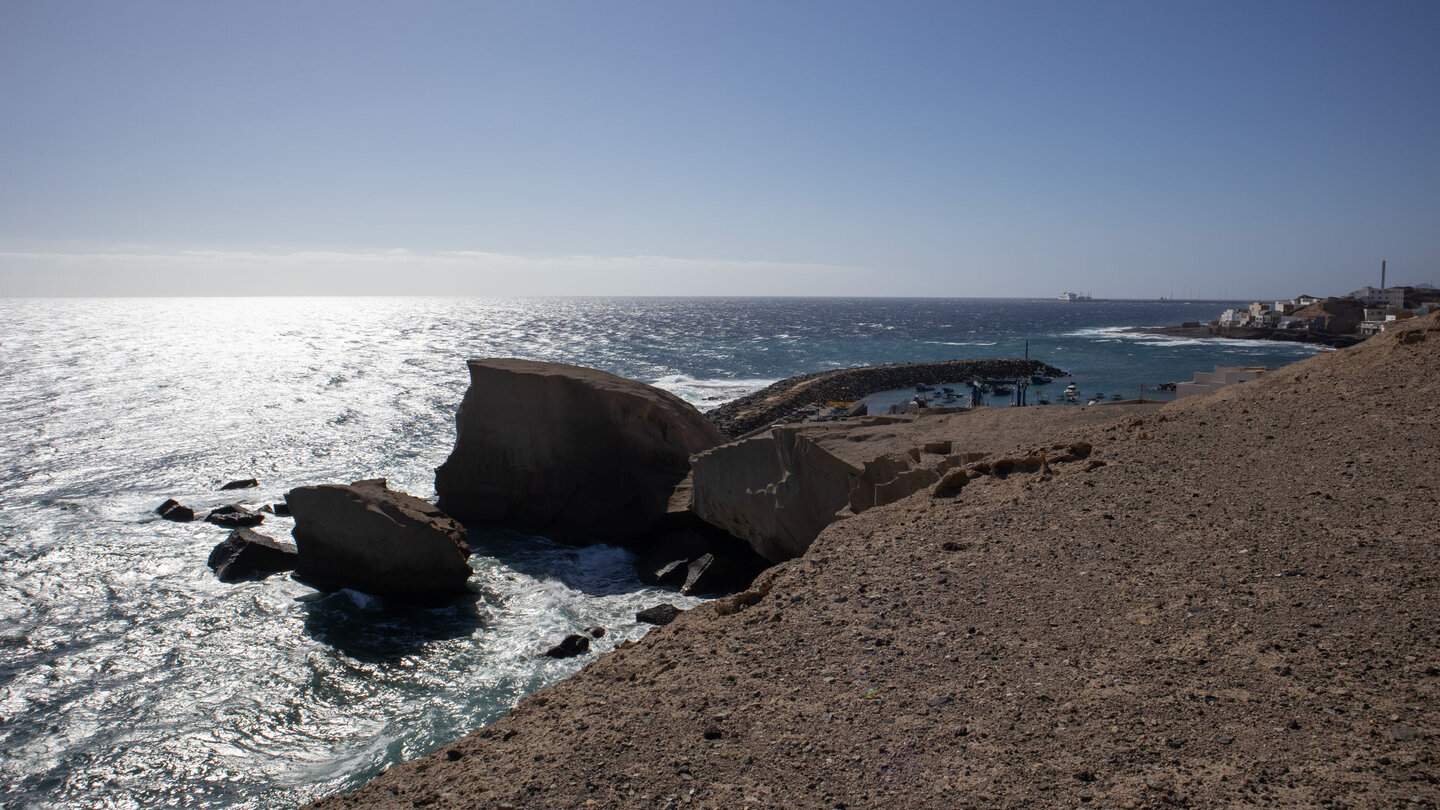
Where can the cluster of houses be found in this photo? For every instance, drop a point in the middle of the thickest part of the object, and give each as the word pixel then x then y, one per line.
pixel 1374 309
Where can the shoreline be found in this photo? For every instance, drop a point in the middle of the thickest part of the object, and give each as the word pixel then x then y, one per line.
pixel 1097 631
pixel 1331 339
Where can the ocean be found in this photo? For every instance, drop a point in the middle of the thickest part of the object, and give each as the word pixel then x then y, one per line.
pixel 131 678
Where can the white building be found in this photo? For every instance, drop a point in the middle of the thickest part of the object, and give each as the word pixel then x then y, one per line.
pixel 1207 381
pixel 1374 297
pixel 1234 317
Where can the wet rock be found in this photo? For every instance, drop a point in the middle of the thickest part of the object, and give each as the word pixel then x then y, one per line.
pixel 281 508
pixel 367 537
pixel 659 614
pixel 248 555
pixel 595 632
pixel 667 560
pixel 568 452
pixel 242 483
pixel 234 516
pixel 173 510
pixel 712 574
pixel 572 645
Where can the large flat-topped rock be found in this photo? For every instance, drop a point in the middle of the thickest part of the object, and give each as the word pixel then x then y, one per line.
pixel 370 538
pixel 573 453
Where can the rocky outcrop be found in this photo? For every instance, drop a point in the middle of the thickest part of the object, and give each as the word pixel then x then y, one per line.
pixel 367 537
pixel 243 483
pixel 569 647
pixel 777 490
pixel 573 453
pixel 172 509
pixel 658 614
pixel 234 516
pixel 248 555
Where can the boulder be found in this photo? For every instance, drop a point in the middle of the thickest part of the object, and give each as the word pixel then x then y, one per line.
pixel 595 632
pixel 572 645
pixel 173 510
pixel 658 614
pixel 234 516
pixel 243 483
pixel 248 555
pixel 367 537
pixel 778 490
pixel 711 573
pixel 573 453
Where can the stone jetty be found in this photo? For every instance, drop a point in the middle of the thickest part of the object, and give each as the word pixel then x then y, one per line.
pixel 763 407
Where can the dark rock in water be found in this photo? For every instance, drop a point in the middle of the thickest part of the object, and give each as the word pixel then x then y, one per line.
pixel 367 537
pixel 659 614
pixel 234 516
pixel 569 452
pixel 173 510
pixel 670 560
pixel 595 632
pixel 281 508
pixel 248 555
pixel 713 574
pixel 667 559
pixel 573 645
pixel 243 483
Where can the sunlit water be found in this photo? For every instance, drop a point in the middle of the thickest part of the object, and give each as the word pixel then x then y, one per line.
pixel 130 677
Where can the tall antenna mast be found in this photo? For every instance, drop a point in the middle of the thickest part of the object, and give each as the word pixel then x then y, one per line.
pixel 1382 274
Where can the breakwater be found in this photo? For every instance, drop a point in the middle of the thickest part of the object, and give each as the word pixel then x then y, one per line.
pixel 756 410
pixel 1334 340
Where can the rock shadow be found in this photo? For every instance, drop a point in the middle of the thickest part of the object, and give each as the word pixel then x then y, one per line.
pixel 377 630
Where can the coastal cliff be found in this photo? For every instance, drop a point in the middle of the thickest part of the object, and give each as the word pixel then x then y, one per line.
pixel 1230 602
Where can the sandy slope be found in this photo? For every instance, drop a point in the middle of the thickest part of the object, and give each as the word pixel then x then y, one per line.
pixel 1238 609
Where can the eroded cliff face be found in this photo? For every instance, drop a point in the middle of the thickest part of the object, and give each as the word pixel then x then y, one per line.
pixel 569 452
pixel 778 490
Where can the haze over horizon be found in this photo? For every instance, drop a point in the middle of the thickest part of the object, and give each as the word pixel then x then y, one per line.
pixel 1129 149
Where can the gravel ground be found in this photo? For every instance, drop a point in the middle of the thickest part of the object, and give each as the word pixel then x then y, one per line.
pixel 1230 602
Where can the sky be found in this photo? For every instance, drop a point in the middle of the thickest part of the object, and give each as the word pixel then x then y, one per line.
pixel 1252 149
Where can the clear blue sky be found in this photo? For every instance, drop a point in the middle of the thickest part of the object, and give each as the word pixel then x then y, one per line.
pixel 1129 149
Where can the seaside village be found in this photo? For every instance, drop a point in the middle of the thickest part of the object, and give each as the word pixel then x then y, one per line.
pixel 1366 311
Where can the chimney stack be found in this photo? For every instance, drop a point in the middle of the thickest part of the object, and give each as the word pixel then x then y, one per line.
pixel 1382 274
